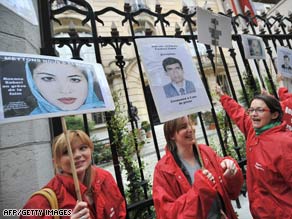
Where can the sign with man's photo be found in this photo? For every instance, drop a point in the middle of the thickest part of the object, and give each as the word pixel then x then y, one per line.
pixel 34 86
pixel 175 84
pixel 284 61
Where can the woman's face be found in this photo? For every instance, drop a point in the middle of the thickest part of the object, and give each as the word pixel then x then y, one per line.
pixel 256 47
pixel 185 133
pixel 62 85
pixel 81 156
pixel 260 113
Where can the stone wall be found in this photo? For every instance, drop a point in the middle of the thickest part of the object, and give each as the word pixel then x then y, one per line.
pixel 25 151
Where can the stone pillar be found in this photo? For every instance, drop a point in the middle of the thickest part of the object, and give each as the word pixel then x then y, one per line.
pixel 25 147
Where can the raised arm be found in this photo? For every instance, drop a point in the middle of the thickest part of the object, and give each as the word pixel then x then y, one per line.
pixel 283 91
pixel 236 112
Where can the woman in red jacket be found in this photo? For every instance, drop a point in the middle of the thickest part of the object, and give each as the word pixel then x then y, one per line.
pixel 100 194
pixel 269 155
pixel 182 188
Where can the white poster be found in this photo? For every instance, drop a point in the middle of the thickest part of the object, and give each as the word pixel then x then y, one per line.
pixel 175 84
pixel 34 86
pixel 213 29
pixel 254 47
pixel 284 61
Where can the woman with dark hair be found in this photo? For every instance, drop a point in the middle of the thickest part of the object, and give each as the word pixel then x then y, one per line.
pixel 269 155
pixel 182 188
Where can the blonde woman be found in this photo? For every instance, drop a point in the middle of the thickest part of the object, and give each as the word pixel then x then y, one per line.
pixel 100 194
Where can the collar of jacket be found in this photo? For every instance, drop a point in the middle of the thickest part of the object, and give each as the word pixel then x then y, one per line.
pixel 275 127
pixel 68 182
pixel 266 127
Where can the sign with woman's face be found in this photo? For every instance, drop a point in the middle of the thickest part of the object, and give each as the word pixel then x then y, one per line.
pixel 64 86
pixel 34 86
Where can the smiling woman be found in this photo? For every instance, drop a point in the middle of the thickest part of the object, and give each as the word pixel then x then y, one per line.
pixel 269 154
pixel 61 87
pixel 100 194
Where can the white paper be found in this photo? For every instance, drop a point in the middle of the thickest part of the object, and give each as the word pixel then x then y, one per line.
pixel 152 52
pixel 213 29
pixel 284 61
pixel 58 87
pixel 254 47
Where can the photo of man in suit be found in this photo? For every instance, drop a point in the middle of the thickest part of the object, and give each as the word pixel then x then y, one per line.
pixel 286 65
pixel 178 85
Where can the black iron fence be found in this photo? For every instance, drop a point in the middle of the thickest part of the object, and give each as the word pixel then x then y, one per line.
pixel 140 22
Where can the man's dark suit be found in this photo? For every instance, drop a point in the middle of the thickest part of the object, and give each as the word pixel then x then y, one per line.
pixel 286 67
pixel 170 90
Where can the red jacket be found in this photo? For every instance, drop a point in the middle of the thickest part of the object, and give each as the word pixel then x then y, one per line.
pixel 286 103
pixel 108 201
pixel 269 165
pixel 175 197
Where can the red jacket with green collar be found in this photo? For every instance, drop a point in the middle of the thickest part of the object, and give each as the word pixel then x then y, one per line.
pixel 286 103
pixel 269 165
pixel 175 197
pixel 108 201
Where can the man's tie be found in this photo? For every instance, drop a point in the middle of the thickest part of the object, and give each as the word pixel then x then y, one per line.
pixel 182 91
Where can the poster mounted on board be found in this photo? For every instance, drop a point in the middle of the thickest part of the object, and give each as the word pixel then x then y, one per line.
pixel 254 47
pixel 34 86
pixel 284 61
pixel 213 29
pixel 174 81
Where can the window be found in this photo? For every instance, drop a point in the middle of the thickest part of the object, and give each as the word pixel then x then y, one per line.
pixel 98 118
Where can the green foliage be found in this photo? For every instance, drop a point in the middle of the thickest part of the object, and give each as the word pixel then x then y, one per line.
pixel 268 85
pixel 227 138
pixel 207 117
pixel 146 126
pixel 127 145
pixel 102 151
pixel 252 88
pixel 76 123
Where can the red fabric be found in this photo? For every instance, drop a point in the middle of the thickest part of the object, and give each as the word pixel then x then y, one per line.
pixel 240 7
pixel 286 103
pixel 174 197
pixel 269 165
pixel 246 4
pixel 108 200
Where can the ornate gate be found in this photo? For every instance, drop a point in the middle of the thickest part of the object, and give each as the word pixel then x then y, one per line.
pixel 138 21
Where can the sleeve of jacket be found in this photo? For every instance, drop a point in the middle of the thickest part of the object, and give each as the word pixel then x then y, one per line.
pixel 237 113
pixel 195 203
pixel 233 184
pixel 283 93
pixel 116 196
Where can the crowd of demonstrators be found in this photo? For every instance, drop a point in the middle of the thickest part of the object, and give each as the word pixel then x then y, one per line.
pixel 191 180
pixel 99 191
pixel 268 152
